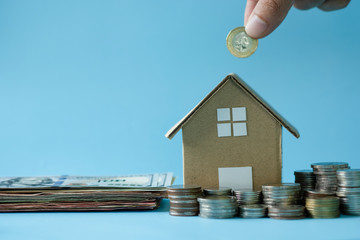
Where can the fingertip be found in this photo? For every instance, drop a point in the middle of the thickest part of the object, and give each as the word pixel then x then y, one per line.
pixel 256 27
pixel 266 17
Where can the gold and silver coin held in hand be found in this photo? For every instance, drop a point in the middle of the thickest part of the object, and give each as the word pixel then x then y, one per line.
pixel 240 44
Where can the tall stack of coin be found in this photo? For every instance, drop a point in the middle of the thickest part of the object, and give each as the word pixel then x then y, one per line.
pixel 218 207
pixel 349 191
pixel 253 211
pixel 325 173
pixel 286 212
pixel 247 196
pixel 183 200
pixel 323 207
pixel 220 191
pixel 281 194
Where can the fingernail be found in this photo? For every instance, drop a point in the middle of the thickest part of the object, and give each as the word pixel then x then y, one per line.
pixel 255 27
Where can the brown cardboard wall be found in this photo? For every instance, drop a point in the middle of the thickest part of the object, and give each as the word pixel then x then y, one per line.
pixel 204 152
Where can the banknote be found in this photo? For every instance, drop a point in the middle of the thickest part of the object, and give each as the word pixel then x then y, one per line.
pixel 157 180
pixel 83 193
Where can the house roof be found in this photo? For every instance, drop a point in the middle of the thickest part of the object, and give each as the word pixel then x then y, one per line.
pixel 233 77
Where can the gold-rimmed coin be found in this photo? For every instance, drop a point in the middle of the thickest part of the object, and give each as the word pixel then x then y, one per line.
pixel 240 44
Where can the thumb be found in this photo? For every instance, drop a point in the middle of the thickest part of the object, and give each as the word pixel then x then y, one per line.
pixel 266 17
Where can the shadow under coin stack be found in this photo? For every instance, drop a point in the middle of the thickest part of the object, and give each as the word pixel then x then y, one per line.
pixel 249 203
pixel 349 191
pixel 282 200
pixel 325 173
pixel 220 191
pixel 306 178
pixel 183 200
pixel 218 207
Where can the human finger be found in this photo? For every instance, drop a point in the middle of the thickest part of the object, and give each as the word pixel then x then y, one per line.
pixel 307 4
pixel 266 17
pixel 331 5
pixel 250 5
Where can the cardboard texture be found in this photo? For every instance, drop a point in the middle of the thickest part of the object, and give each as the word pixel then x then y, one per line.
pixel 205 150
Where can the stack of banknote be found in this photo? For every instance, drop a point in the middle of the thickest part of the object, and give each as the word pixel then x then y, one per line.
pixel 81 193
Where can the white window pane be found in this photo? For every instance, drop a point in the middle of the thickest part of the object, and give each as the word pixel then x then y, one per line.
pixel 223 114
pixel 239 129
pixel 239 114
pixel 224 129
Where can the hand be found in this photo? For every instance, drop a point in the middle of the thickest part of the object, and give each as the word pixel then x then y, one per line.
pixel 264 16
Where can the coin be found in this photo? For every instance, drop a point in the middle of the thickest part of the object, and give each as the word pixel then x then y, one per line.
pixel 348 177
pixel 281 194
pixel 218 207
pixel 330 165
pixel 323 207
pixel 183 200
pixel 247 196
pixel 220 191
pixel 240 44
pixel 253 211
pixel 349 191
pixel 286 212
pixel 325 172
pixel 184 188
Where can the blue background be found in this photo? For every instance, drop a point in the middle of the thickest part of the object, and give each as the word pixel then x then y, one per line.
pixel 91 87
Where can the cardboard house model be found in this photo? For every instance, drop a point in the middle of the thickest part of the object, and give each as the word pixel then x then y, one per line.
pixel 232 138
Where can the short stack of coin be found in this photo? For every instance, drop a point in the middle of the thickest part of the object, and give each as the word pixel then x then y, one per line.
pixel 325 173
pixel 220 191
pixel 286 212
pixel 253 211
pixel 349 191
pixel 323 207
pixel 306 178
pixel 247 196
pixel 281 194
pixel 218 207
pixel 183 200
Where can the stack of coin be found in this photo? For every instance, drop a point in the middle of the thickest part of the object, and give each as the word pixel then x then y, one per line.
pixel 253 211
pixel 247 196
pixel 348 177
pixel 218 207
pixel 323 207
pixel 350 205
pixel 220 191
pixel 183 200
pixel 286 212
pixel 349 191
pixel 325 173
pixel 306 178
pixel 281 194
